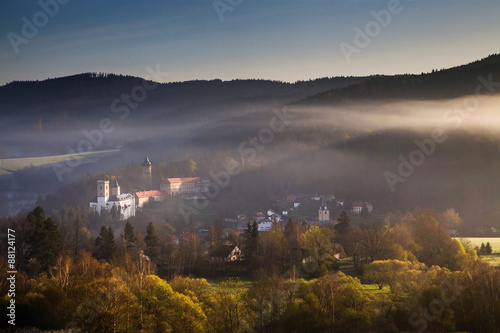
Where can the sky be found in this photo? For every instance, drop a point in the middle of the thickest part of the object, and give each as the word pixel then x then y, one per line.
pixel 286 40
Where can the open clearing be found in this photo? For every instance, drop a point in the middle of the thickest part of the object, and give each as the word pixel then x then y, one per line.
pixel 477 241
pixel 10 165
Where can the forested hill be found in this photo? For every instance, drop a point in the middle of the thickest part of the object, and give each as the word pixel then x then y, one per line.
pixel 89 95
pixel 441 84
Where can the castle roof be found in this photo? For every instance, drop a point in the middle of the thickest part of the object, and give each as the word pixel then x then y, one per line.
pixel 180 180
pixel 115 183
pixel 146 162
pixel 147 194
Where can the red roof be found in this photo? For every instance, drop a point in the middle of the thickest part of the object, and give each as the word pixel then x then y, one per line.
pixel 360 204
pixel 180 180
pixel 147 194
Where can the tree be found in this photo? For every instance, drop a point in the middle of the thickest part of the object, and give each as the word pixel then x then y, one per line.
pixel 128 235
pixel 375 239
pixel 450 219
pixel 105 245
pixel 343 223
pixel 45 242
pixel 319 249
pixel 488 249
pixel 151 241
pixel 251 243
pixel 105 306
pixel 167 310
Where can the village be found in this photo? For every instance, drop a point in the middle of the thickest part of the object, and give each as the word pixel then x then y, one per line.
pixel 309 209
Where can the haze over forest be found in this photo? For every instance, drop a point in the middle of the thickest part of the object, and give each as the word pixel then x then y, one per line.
pixel 344 134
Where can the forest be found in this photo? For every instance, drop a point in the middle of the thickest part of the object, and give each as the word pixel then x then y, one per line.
pixel 403 273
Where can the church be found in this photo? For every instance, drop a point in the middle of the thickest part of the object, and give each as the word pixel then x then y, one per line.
pixel 324 213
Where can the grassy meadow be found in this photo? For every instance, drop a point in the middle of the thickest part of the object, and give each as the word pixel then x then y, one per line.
pixel 477 241
pixel 10 165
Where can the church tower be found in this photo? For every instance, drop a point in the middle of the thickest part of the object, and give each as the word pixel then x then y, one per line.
pixel 324 213
pixel 146 170
pixel 115 188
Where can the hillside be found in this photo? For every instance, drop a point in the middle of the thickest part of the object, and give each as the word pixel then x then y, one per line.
pixel 441 84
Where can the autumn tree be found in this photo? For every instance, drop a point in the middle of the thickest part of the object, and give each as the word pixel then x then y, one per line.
pixel 319 250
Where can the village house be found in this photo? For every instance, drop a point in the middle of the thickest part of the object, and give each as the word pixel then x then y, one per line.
pixel 259 216
pixel 357 207
pixel 226 253
pixel 265 224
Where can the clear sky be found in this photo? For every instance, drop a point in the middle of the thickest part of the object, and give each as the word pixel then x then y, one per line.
pixel 284 40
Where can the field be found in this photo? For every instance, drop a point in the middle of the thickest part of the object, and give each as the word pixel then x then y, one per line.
pixel 494 242
pixel 10 165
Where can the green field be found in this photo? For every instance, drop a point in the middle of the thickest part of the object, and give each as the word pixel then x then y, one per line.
pixel 10 165
pixel 494 242
pixel 492 259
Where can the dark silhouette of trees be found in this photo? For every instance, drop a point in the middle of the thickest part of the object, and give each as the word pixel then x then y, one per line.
pixel 45 242
pixel 105 245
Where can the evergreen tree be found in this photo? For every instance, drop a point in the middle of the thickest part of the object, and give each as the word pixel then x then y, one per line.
pixel 343 223
pixel 482 249
pixel 128 235
pixel 251 243
pixel 488 249
pixel 45 242
pixel 105 246
pixel 151 241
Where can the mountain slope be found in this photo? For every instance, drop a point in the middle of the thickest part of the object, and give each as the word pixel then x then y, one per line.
pixel 447 83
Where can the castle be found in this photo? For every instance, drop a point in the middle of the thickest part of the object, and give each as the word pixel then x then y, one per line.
pixel 124 203
pixel 127 203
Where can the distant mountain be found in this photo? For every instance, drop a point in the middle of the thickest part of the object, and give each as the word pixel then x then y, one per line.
pixel 442 84
pixel 62 102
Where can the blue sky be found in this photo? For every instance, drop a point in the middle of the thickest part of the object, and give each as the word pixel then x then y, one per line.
pixel 284 40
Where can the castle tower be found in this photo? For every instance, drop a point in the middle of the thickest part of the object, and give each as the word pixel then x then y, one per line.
pixel 146 170
pixel 324 213
pixel 102 194
pixel 115 188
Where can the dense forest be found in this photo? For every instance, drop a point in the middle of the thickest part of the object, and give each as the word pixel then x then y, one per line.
pixel 400 273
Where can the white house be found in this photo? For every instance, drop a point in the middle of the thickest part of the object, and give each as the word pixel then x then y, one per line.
pixel 357 207
pixel 226 253
pixel 265 225
pixel 124 203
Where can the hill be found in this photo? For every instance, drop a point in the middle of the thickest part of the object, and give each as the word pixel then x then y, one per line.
pixel 441 84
